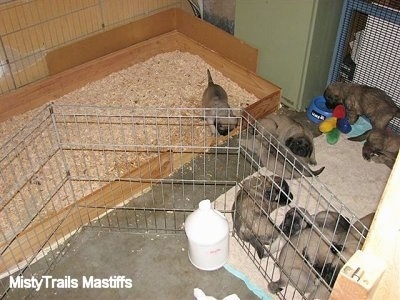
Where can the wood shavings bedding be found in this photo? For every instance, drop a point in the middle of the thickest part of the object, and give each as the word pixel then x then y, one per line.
pixel 168 80
pixel 173 79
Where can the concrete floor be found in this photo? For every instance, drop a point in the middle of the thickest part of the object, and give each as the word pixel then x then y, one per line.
pixel 157 263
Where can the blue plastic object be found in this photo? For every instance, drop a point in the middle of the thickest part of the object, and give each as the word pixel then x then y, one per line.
pixel 317 111
pixel 343 125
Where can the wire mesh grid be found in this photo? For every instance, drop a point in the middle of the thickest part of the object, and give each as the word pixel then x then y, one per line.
pixel 367 48
pixel 31 29
pixel 145 170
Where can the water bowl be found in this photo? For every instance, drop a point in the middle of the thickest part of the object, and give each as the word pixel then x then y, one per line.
pixel 317 111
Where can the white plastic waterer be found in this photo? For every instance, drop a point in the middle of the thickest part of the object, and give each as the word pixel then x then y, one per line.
pixel 208 234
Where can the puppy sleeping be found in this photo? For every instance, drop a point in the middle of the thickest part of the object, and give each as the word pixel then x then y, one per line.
pixel 308 254
pixel 298 259
pixel 218 113
pixel 258 197
pixel 381 146
pixel 285 132
pixel 362 100
pixel 295 136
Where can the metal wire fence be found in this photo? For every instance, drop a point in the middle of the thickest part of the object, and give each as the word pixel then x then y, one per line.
pixel 145 170
pixel 31 29
pixel 367 49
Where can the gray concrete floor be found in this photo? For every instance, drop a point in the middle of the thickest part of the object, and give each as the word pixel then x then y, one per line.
pixel 157 263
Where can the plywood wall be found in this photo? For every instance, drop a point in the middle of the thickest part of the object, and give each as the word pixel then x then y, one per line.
pixel 30 29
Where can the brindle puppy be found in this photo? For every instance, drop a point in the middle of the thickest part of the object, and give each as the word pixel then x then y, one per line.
pixel 258 197
pixel 218 113
pixel 362 100
pixel 381 146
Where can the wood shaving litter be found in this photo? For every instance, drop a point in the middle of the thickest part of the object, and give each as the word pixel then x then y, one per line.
pixel 174 79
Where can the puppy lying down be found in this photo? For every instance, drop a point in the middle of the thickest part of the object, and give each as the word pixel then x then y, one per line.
pixel 360 100
pixel 242 262
pixel 381 146
pixel 273 136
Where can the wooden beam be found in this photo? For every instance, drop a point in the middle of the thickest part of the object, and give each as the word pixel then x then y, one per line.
pixel 217 40
pixel 55 86
pixel 110 41
pixel 382 247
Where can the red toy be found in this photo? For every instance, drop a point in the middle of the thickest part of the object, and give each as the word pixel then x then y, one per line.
pixel 337 122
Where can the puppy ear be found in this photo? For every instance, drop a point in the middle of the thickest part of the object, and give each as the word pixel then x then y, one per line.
pixel 344 222
pixel 307 146
pixel 285 196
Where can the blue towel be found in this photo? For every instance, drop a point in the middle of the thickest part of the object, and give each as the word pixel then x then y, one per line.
pixel 251 286
pixel 359 127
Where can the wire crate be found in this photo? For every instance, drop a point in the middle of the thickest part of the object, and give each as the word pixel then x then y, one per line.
pixel 364 28
pixel 144 170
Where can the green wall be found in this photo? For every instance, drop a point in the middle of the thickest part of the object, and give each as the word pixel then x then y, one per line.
pixel 295 41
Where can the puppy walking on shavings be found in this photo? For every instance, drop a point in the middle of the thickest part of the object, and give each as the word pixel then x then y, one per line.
pixel 218 113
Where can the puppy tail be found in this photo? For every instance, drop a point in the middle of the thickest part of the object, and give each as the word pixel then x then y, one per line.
pixel 317 172
pixel 210 80
pixel 285 195
pixel 344 222
pixel 361 137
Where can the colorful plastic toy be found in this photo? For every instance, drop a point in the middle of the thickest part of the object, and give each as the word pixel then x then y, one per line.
pixel 343 125
pixel 332 137
pixel 334 125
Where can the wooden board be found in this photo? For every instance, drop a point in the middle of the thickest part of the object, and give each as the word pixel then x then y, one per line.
pixel 170 20
pixel 382 247
pixel 43 91
pixel 110 41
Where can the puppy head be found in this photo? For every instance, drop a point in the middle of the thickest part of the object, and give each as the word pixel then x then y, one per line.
pixel 294 221
pixel 278 191
pixel 267 193
pixel 332 220
pixel 333 95
pixel 300 146
pixel 225 124
pixel 369 152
